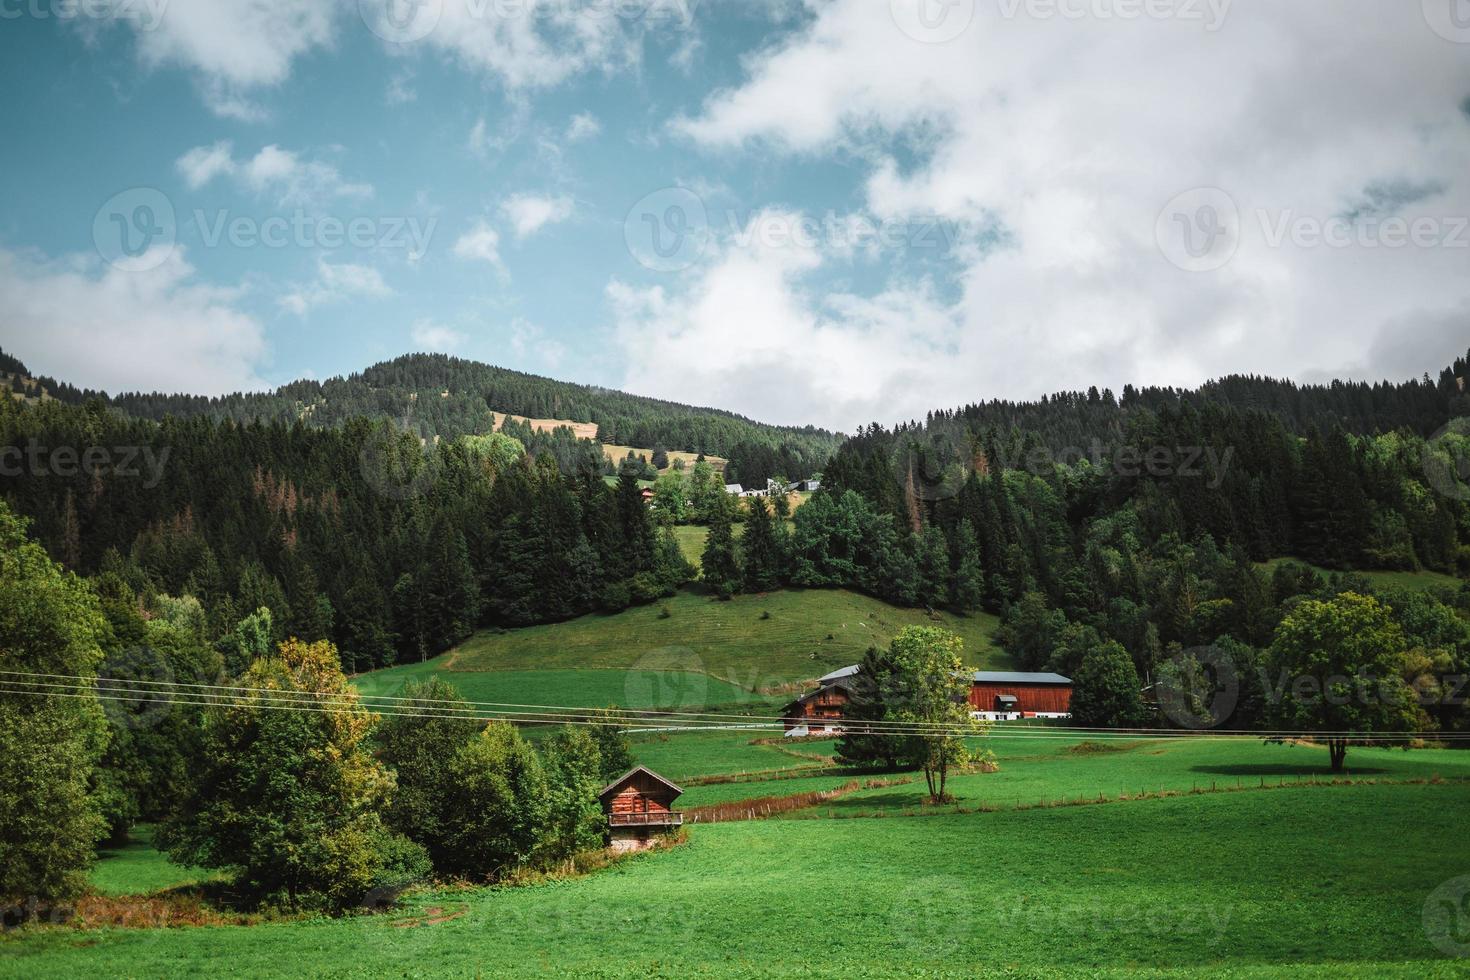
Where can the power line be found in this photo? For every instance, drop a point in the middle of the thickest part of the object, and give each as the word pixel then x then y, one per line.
pixel 225 695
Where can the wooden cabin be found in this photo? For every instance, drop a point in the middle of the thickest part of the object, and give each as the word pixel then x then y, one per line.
pixel 818 712
pixel 639 807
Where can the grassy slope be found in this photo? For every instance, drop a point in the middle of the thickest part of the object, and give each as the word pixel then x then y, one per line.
pixel 1332 878
pixel 705 652
pixel 1409 580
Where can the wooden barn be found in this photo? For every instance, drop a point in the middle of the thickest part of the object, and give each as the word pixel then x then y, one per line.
pixel 639 807
pixel 820 712
pixel 1001 695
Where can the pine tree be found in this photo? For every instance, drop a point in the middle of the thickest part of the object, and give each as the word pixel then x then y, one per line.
pixel 760 551
pixel 721 570
pixel 967 589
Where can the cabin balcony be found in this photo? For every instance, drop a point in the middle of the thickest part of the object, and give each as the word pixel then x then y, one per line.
pixel 646 819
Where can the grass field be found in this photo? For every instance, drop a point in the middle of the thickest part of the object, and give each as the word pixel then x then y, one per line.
pixel 1324 881
pixel 135 868
pixel 1406 580
pixel 704 653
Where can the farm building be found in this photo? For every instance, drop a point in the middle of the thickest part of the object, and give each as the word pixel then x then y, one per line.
pixel 1001 695
pixel 820 712
pixel 639 807
pixel 995 695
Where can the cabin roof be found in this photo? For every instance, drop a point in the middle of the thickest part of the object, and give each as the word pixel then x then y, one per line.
pixel 839 674
pixel 842 683
pixel 625 777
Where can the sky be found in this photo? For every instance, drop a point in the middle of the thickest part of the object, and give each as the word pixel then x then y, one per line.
pixel 807 211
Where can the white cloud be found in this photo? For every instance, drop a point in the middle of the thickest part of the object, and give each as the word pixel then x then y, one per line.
pixel 335 283
pixel 1075 167
pixel 236 47
pixel 583 126
pixel 539 45
pixel 747 334
pixel 204 163
pixel 478 137
pixel 481 244
pixel 272 171
pixel 101 327
pixel 431 336
pixel 531 342
pixel 529 213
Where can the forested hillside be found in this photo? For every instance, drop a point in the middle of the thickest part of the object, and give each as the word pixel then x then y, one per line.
pixel 434 395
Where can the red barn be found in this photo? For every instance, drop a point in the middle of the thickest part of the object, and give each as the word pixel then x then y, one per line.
pixel 639 804
pixel 1003 694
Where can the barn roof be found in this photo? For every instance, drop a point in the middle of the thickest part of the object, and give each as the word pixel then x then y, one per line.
pixel 625 777
pixel 980 677
pixel 1017 677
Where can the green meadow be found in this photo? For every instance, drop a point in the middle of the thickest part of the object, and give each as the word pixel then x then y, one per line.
pixel 1381 579
pixel 1311 880
pixel 688 651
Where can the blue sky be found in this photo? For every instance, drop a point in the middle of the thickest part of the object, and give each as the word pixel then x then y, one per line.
pixel 866 209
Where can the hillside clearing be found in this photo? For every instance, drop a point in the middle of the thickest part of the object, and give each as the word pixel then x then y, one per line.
pixel 752 643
